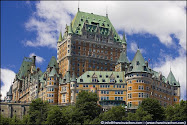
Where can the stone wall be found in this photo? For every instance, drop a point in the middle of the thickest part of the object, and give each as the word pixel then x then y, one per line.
pixel 11 109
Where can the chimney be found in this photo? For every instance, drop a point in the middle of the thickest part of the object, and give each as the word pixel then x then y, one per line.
pixel 34 62
pixel 146 63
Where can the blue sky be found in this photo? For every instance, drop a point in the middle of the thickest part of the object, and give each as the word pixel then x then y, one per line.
pixel 29 28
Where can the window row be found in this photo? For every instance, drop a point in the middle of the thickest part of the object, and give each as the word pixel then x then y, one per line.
pixel 50 89
pixel 118 98
pixel 104 98
pixel 104 92
pixel 118 92
pixel 50 95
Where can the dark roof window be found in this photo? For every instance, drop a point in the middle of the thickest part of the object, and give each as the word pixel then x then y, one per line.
pixel 81 80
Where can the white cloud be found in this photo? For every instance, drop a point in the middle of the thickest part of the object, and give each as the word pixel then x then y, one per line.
pixel 178 67
pixel 39 59
pixel 7 78
pixel 159 18
pixel 134 48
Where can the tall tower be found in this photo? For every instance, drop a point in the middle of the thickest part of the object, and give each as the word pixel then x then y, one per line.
pixel 90 43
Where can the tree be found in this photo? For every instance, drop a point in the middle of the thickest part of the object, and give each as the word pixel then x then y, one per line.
pixel 116 113
pixel 38 111
pixel 176 112
pixel 4 120
pixel 15 120
pixel 87 107
pixel 142 115
pixel 54 116
pixel 153 107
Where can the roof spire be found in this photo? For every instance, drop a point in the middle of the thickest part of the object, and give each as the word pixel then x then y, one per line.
pixel 78 5
pixel 60 37
pixel 124 39
pixel 106 11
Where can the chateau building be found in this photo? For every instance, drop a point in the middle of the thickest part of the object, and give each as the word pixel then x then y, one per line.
pixel 92 57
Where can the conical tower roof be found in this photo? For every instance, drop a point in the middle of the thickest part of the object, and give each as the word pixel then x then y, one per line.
pixel 60 37
pixel 53 72
pixel 53 62
pixel 123 58
pixel 172 80
pixel 138 63
pixel 124 39
pixel 70 29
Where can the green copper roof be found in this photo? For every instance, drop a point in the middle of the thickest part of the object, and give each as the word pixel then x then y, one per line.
pixel 66 77
pixel 124 39
pixel 42 78
pixel 70 29
pixel 172 80
pixel 73 79
pixel 123 58
pixel 25 67
pixel 53 72
pixel 53 62
pixel 138 63
pixel 60 37
pixel 102 77
pixel 93 23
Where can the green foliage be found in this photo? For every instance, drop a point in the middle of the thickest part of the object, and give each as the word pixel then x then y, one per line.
pixel 142 115
pixel 4 120
pixel 176 112
pixel 15 120
pixel 86 106
pixel 54 116
pixel 114 114
pixel 86 111
pixel 38 111
pixel 153 107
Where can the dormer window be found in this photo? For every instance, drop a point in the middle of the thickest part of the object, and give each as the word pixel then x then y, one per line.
pixel 137 62
pixel 117 76
pixel 174 83
pixel 145 68
pixel 106 76
pixel 100 76
pixel 81 80
pixel 94 79
pixel 112 80
pixel 103 80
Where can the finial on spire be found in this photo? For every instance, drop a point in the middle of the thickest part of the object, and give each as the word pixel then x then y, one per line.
pixel 170 67
pixel 78 5
pixel 106 11
pixel 138 46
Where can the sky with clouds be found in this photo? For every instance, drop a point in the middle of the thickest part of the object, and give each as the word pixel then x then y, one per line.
pixel 157 28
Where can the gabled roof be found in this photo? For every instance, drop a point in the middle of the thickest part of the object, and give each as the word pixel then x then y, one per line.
pixel 42 78
pixel 123 58
pixel 172 80
pixel 92 21
pixel 53 62
pixel 138 63
pixel 67 77
pixel 102 75
pixel 25 67
pixel 53 72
